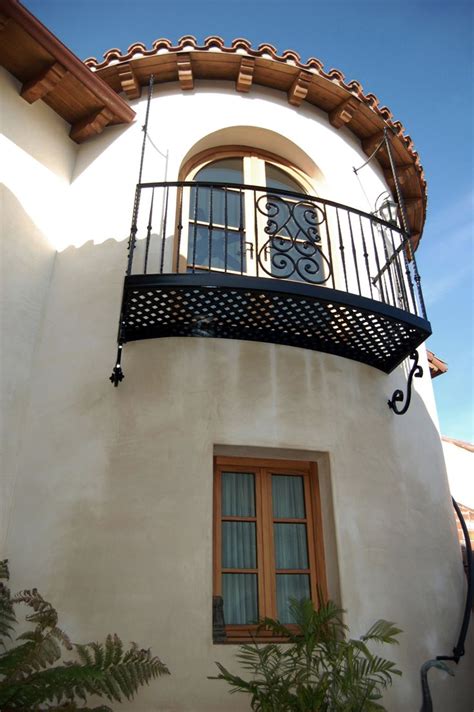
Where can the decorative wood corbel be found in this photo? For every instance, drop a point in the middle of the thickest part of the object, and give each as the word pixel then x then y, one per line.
pixel 93 124
pixel 128 81
pixel 245 76
pixel 39 86
pixel 299 89
pixel 185 71
pixel 344 112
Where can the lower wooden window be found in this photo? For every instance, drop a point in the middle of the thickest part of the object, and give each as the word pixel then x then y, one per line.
pixel 268 544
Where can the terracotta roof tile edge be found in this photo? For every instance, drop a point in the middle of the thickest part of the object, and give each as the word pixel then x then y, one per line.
pixel 68 59
pixel 312 65
pixel 437 366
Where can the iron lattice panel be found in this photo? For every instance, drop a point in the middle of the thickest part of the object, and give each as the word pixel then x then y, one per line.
pixel 363 334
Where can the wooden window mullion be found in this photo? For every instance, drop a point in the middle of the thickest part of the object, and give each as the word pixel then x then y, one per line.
pixel 261 542
pixel 270 572
pixel 217 584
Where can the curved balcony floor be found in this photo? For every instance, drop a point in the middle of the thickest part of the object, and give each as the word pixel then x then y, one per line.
pixel 219 305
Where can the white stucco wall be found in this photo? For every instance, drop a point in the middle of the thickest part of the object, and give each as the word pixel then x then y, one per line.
pixel 460 469
pixel 37 159
pixel 112 514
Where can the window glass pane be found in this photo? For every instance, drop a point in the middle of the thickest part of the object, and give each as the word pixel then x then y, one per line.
pixel 278 179
pixel 217 206
pixel 288 497
pixel 221 243
pixel 238 494
pixel 239 592
pixel 238 545
pixel 291 550
pixel 227 170
pixel 290 586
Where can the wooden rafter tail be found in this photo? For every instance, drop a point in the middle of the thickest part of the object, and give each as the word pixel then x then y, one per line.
pixel 299 89
pixel 41 85
pixel 245 76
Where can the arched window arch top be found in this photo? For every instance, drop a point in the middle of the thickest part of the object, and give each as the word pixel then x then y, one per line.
pixel 249 214
pixel 256 167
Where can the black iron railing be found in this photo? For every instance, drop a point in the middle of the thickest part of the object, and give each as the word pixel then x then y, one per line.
pixel 191 227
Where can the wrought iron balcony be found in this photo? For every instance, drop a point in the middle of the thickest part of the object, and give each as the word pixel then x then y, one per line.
pixel 248 262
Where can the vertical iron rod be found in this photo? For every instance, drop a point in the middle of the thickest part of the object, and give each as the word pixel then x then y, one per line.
pixel 366 256
pixel 133 230
pixel 403 213
pixel 163 228
pixel 354 254
pixel 376 252
pixel 148 232
pixel 226 231
pixel 342 248
pixel 329 246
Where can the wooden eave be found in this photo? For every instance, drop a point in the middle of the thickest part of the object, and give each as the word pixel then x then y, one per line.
pixel 50 71
pixel 344 102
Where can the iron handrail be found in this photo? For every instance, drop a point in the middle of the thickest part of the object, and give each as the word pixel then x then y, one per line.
pixel 271 191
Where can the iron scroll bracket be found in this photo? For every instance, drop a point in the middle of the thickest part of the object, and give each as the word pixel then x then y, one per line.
pixel 117 373
pixel 398 396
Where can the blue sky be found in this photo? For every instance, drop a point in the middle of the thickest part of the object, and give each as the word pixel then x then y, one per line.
pixel 417 57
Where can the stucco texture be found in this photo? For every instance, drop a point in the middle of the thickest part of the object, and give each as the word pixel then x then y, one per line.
pixel 112 511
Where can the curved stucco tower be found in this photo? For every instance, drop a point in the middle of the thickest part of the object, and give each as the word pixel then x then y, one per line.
pixel 270 304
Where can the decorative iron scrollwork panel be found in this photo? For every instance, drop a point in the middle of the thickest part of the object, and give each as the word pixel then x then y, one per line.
pixel 293 249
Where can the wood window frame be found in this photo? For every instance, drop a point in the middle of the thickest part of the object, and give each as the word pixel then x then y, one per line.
pixel 266 570
pixel 253 164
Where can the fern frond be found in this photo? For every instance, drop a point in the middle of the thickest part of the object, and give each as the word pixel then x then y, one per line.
pixel 7 614
pixel 383 631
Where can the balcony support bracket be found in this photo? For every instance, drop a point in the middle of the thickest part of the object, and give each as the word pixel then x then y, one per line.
pixel 398 395
pixel 117 373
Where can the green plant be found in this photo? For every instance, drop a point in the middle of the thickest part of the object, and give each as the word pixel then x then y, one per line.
pixel 31 678
pixel 320 670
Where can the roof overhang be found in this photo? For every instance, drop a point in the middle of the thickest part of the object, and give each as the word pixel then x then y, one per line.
pixel 86 94
pixel 50 71
pixel 345 102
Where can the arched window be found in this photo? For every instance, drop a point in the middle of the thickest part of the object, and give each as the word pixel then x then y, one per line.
pixel 248 214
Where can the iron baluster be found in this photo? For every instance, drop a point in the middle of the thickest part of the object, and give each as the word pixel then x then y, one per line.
pixel 409 280
pixel 412 258
pixel 196 193
pixel 366 256
pixel 377 262
pixel 241 231
pixel 255 220
pixel 226 232
pixel 132 240
pixel 148 232
pixel 387 265
pixel 328 236
pixel 179 226
pixel 341 248
pixel 164 223
pixel 398 274
pixel 354 254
